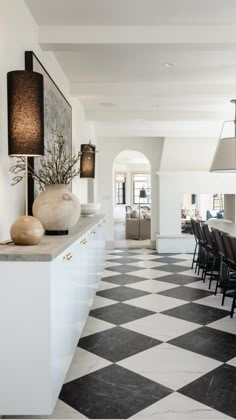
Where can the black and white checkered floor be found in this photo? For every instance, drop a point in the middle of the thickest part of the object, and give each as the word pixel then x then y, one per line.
pixel 157 344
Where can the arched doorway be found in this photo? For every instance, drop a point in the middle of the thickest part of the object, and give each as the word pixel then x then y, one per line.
pixel 131 176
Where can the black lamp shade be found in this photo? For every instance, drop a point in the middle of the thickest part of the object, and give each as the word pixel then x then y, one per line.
pixel 87 161
pixel 25 113
pixel 142 193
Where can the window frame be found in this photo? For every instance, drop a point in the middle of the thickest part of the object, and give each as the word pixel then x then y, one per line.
pixel 143 201
pixel 122 189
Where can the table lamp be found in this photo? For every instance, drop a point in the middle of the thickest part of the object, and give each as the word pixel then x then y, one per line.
pixel 25 138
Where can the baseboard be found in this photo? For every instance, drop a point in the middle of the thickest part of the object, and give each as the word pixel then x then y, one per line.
pixel 175 243
pixel 153 244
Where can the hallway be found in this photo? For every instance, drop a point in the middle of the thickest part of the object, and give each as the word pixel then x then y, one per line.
pixel 157 344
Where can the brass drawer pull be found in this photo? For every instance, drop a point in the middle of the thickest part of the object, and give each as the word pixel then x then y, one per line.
pixel 67 256
pixel 83 241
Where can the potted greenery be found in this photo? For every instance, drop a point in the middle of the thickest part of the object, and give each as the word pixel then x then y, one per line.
pixel 56 207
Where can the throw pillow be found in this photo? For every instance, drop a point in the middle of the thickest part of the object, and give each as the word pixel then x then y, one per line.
pixel 134 214
pixel 147 216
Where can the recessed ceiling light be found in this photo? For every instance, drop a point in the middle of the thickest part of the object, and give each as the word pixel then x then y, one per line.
pixel 107 104
pixel 168 65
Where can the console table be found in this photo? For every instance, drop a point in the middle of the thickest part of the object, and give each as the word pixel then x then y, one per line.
pixel 46 292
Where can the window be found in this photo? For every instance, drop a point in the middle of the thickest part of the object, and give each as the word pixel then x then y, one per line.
pixel 141 181
pixel 120 188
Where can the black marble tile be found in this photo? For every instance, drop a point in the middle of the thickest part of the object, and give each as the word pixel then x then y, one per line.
pixel 122 279
pixel 120 313
pixel 186 293
pixel 172 268
pixel 200 314
pixel 112 393
pixel 117 343
pixel 122 293
pixel 170 260
pixel 216 389
pixel 125 260
pixel 209 342
pixel 179 279
pixel 124 268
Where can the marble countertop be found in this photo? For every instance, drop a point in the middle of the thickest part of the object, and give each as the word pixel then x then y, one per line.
pixel 224 225
pixel 50 246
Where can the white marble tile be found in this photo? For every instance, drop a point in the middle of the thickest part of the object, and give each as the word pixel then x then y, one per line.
pixel 144 257
pixel 112 251
pixel 111 264
pixel 156 303
pixel 160 326
pixel 112 257
pixel 199 285
pixel 95 325
pixel 149 273
pixel 63 411
pixel 147 264
pixel 170 366
pixel 182 256
pixel 191 273
pixel 179 407
pixel 133 244
pixel 100 302
pixel 215 302
pixel 104 285
pixel 187 263
pixel 226 324
pixel 143 250
pixel 107 273
pixel 152 286
pixel 83 363
pixel 232 362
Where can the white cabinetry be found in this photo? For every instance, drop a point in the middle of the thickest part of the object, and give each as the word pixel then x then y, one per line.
pixel 43 309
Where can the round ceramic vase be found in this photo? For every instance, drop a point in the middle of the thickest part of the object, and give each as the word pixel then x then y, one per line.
pixel 57 208
pixel 26 230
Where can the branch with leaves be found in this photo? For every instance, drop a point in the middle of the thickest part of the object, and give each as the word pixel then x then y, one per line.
pixel 57 168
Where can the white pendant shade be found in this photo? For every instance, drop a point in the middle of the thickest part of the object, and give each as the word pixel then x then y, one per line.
pixel 225 156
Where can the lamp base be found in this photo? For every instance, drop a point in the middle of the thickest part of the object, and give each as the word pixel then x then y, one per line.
pixel 56 232
pixel 26 230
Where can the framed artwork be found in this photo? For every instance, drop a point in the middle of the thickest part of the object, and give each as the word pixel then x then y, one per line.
pixel 57 118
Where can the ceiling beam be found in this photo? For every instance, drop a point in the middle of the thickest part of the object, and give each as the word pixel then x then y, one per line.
pixel 157 116
pixel 145 89
pixel 56 38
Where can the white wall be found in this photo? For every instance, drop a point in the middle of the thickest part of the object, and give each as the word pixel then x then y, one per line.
pixel 230 207
pixel 174 185
pixel 187 154
pixel 18 33
pixel 109 148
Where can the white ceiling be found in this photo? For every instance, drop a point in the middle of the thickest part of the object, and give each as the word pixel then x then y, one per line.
pixel 132 12
pixel 114 53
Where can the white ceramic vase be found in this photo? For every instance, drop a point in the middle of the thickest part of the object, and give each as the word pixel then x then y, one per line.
pixel 57 208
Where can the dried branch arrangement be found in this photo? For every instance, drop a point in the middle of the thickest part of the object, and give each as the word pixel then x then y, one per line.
pixel 58 168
